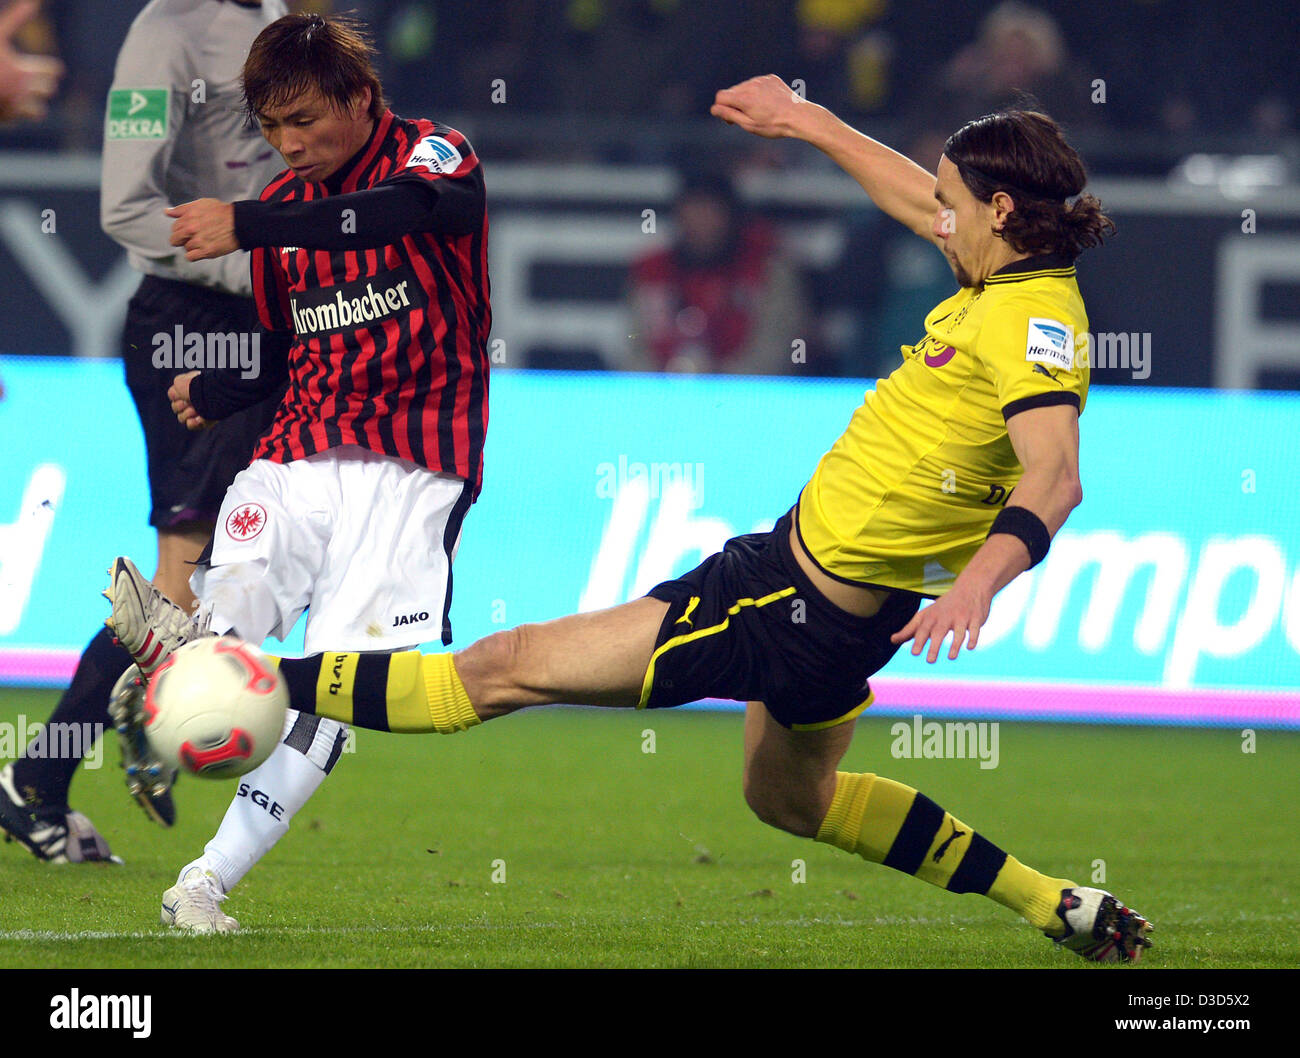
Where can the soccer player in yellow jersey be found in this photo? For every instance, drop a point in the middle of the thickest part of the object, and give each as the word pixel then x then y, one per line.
pixel 950 480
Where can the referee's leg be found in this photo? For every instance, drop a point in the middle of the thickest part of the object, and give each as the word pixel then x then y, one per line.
pixel 178 550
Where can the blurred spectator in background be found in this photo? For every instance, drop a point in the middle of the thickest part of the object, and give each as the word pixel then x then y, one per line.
pixel 89 33
pixel 407 32
pixel 1273 118
pixel 26 81
pixel 1020 51
pixel 478 56
pixel 721 298
pixel 844 61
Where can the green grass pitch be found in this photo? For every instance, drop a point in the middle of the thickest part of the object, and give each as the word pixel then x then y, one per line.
pixel 552 839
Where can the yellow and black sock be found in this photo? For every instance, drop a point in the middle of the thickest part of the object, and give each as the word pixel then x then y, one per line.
pixel 886 822
pixel 404 692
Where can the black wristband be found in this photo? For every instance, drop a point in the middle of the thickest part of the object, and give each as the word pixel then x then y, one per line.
pixel 1028 528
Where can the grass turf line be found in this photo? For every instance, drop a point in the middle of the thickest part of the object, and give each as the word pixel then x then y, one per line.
pixel 613 857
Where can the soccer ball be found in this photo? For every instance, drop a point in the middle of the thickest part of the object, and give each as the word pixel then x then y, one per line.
pixel 215 708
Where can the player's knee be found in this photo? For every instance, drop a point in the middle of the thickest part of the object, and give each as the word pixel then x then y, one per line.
pixel 493 669
pixel 778 808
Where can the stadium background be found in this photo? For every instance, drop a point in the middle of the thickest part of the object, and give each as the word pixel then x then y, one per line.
pixel 1180 575
pixel 1173 597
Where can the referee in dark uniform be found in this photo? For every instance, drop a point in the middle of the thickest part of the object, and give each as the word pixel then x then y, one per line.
pixel 174 131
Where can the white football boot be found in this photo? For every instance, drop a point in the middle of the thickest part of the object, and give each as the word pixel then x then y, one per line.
pixel 194 903
pixel 145 621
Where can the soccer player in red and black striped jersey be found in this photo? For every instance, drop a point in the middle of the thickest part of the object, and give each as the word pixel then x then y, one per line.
pixel 387 306
pixel 369 266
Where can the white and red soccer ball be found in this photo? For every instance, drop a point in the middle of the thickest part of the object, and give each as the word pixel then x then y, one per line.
pixel 215 708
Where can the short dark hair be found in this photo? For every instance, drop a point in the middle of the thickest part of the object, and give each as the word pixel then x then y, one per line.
pixel 298 53
pixel 1024 153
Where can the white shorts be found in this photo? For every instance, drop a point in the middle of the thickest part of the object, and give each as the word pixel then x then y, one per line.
pixel 363 541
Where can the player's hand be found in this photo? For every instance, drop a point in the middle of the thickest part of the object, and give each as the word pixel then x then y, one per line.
pixel 962 612
pixel 765 106
pixel 179 395
pixel 205 227
pixel 26 81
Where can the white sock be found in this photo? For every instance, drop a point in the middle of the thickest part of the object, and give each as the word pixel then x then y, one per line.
pixel 268 797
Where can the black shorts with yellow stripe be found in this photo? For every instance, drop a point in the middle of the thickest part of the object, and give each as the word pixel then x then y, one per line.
pixel 747 624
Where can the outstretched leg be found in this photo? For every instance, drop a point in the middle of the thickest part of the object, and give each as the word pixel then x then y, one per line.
pixel 791 779
pixel 588 659
pixel 595 658
pixel 791 783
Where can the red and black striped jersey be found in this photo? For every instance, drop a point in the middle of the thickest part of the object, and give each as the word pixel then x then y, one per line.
pixel 390 346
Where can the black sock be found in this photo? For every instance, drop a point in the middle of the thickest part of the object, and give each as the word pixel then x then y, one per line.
pixel 85 702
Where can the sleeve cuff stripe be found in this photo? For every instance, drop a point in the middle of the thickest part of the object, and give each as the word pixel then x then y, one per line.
pixel 1039 400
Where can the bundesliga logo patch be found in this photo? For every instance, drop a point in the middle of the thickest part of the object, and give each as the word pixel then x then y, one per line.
pixel 137 114
pixel 1050 342
pixel 435 154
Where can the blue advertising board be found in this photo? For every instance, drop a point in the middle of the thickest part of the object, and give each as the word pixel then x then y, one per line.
pixel 1172 595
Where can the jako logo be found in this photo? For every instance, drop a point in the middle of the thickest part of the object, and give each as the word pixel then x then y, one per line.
pixel 76 1011
pixel 411 619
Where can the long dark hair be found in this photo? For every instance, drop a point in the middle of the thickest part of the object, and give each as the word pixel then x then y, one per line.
pixel 298 53
pixel 1024 153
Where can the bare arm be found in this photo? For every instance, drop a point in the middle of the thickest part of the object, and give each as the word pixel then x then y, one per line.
pixel 767 106
pixel 1046 441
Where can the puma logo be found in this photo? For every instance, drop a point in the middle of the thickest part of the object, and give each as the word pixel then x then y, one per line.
pixel 938 853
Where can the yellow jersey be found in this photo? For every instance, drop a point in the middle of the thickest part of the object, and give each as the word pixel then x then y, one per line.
pixel 908 493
